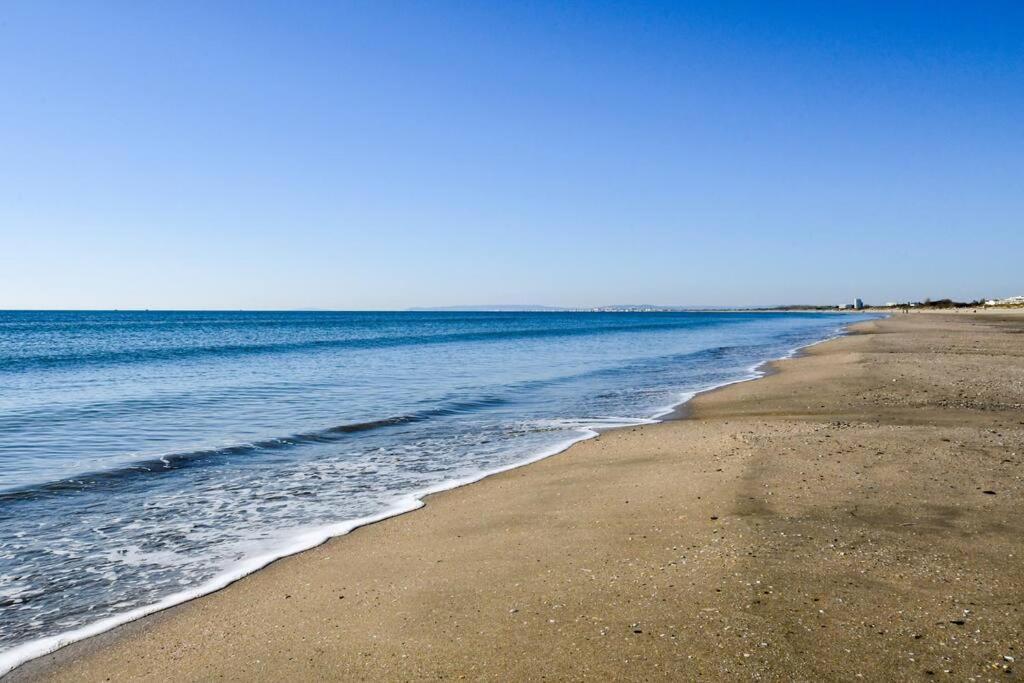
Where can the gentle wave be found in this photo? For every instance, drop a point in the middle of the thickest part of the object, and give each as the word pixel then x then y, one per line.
pixel 167 463
pixel 104 358
pixel 18 655
pixel 186 400
pixel 163 463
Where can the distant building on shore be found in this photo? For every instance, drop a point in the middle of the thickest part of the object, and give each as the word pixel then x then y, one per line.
pixel 858 304
pixel 1009 301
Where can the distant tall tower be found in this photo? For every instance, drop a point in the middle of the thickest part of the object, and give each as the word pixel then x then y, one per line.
pixel 858 304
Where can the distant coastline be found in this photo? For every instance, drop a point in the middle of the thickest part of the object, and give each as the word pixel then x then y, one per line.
pixel 856 305
pixel 615 308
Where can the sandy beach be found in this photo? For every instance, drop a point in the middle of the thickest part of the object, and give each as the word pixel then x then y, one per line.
pixel 859 513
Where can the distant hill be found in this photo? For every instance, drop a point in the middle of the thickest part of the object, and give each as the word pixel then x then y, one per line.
pixel 617 308
pixel 491 309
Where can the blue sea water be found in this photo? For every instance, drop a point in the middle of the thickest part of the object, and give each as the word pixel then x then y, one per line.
pixel 147 457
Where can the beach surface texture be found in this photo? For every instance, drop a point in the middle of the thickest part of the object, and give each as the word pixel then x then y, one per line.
pixel 858 513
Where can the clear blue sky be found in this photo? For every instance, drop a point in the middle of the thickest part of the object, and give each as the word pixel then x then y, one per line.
pixel 394 154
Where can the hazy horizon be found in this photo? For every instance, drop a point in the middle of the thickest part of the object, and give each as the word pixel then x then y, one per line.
pixel 490 307
pixel 383 157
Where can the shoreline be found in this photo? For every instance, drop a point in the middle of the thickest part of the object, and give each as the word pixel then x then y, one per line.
pixel 94 647
pixel 20 656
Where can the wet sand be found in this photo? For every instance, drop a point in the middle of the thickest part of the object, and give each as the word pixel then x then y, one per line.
pixel 860 512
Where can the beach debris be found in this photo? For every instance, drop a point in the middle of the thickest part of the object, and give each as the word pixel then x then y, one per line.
pixel 989 493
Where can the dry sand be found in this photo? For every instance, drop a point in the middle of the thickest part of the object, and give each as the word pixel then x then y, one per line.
pixel 858 513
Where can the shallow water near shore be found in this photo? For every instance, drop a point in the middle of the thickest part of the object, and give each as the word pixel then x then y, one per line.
pixel 148 457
